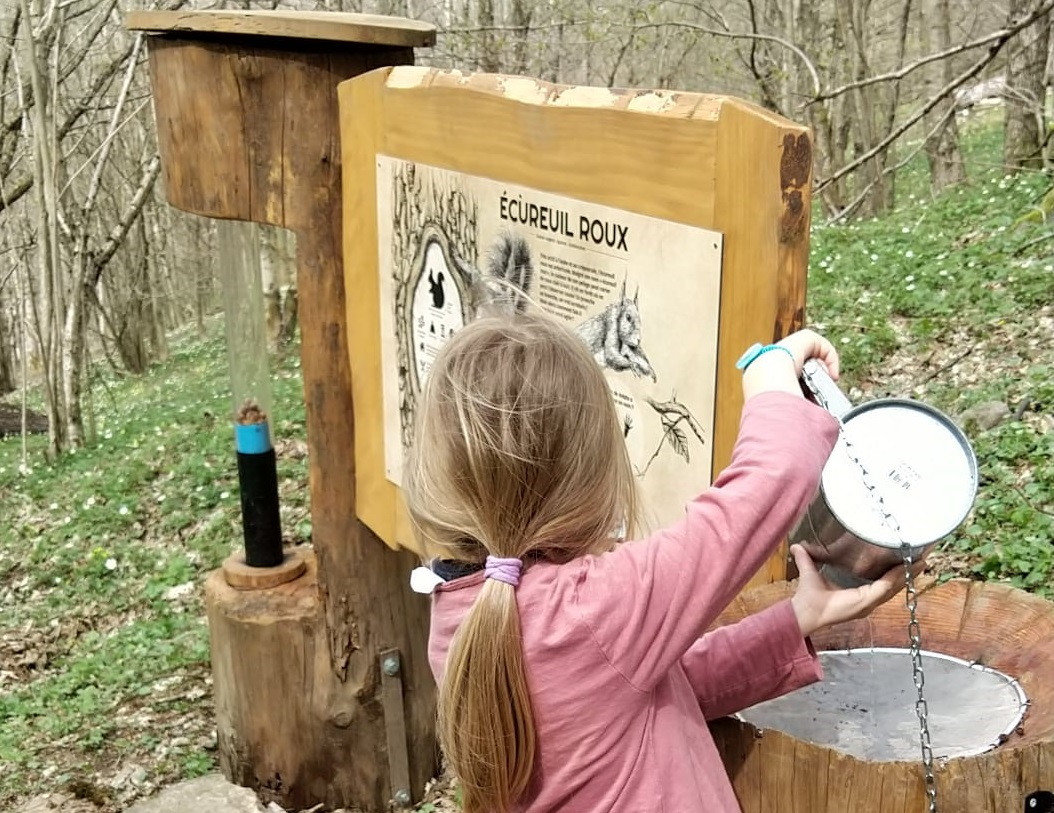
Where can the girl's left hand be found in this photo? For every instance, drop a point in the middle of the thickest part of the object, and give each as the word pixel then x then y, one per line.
pixel 818 604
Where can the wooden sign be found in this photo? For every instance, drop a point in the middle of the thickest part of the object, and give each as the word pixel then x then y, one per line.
pixel 669 229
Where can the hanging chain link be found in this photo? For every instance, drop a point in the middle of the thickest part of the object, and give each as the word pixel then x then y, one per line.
pixel 911 599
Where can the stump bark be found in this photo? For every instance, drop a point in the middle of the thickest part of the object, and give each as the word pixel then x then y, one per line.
pixel 999 626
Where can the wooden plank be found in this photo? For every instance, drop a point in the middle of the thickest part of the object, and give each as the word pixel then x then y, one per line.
pixel 683 157
pixel 842 777
pixel 331 26
pixel 766 254
pixel 395 727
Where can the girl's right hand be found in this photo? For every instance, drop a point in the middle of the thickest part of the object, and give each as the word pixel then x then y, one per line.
pixel 779 371
pixel 808 344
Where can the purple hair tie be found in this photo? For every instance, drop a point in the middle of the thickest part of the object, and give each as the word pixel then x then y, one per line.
pixel 503 570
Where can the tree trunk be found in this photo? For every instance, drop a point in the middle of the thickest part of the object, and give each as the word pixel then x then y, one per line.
pixel 133 321
pixel 521 19
pixel 153 312
pixel 73 354
pixel 278 272
pixel 942 145
pixel 1024 119
pixel 44 172
pixel 489 44
pixel 864 111
pixel 7 352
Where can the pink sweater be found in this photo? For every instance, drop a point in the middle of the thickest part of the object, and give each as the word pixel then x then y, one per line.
pixel 621 681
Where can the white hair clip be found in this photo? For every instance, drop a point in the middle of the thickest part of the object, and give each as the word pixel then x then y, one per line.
pixel 424 580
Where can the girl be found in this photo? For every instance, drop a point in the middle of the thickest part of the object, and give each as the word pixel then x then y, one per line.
pixel 574 673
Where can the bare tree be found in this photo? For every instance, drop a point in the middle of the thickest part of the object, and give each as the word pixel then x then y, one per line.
pixel 942 143
pixel 1024 122
pixel 77 95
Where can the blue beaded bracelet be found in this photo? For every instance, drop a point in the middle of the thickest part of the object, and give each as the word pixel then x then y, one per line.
pixel 759 349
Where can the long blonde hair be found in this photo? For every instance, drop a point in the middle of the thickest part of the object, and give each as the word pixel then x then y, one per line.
pixel 518 453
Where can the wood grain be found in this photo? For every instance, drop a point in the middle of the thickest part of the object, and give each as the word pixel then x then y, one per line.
pixel 1005 628
pixel 328 26
pixel 247 130
pixel 708 161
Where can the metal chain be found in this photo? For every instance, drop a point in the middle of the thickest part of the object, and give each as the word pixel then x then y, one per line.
pixel 911 599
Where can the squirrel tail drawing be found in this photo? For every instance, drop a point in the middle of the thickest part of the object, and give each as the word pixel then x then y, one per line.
pixel 510 271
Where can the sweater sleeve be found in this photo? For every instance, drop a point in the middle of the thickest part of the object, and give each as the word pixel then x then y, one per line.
pixel 648 601
pixel 761 657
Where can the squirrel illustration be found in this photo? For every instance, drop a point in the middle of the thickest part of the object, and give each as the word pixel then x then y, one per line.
pixel 613 336
pixel 435 288
pixel 507 278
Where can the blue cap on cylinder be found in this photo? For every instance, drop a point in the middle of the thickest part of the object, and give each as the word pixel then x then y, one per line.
pixel 252 438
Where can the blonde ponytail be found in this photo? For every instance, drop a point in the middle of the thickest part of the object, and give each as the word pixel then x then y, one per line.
pixel 486 726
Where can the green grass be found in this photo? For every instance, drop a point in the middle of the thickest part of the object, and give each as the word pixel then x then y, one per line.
pixel 90 546
pixel 102 670
pixel 940 278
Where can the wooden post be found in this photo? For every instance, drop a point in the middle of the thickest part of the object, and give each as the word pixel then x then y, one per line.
pixel 246 108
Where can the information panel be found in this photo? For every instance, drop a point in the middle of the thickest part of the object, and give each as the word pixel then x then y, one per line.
pixel 642 292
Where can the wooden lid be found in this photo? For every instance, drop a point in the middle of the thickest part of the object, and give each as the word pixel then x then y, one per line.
pixel 370 29
pixel 241 576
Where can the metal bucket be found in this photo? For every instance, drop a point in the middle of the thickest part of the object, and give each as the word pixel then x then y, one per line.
pixel 902 475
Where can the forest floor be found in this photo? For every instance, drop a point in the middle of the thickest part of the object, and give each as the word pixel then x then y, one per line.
pixel 104 676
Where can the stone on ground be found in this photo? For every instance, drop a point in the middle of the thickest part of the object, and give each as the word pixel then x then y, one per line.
pixel 57 803
pixel 210 793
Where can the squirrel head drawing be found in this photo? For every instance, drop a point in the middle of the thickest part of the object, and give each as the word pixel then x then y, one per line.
pixel 629 319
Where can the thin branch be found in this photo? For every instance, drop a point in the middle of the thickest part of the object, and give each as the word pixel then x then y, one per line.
pixel 946 366
pixel 1034 242
pixel 101 155
pixel 117 234
pixel 675 407
pixel 484 29
pixel 1000 36
pixel 893 135
pixel 1028 502
pixel 850 207
pixel 24 184
pixel 734 35
pixel 20 188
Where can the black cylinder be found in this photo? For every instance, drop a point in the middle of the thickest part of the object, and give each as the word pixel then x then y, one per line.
pixel 261 522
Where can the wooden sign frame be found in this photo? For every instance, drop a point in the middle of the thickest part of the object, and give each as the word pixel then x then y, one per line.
pixel 713 162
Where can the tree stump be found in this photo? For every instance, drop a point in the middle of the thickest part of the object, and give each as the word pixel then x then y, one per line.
pixel 998 626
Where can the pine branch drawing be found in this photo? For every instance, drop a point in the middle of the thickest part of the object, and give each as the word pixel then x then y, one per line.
pixel 673 416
